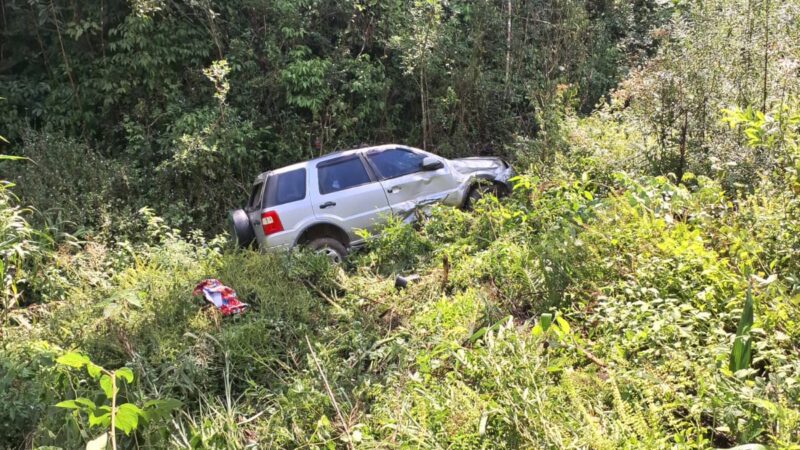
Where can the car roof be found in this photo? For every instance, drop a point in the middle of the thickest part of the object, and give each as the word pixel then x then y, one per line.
pixel 261 177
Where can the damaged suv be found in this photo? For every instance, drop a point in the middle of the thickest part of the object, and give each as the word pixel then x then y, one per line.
pixel 322 202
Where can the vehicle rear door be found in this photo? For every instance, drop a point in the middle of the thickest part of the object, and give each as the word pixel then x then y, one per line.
pixel 407 185
pixel 349 195
pixel 284 207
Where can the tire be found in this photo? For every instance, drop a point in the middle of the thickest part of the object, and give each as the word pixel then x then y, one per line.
pixel 477 192
pixel 330 247
pixel 241 230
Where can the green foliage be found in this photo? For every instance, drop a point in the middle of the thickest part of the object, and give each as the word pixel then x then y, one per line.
pixel 73 186
pixel 593 307
pixel 124 416
pixel 28 386
pixel 399 247
pixel 675 100
pixel 742 344
pixel 178 106
pixel 18 244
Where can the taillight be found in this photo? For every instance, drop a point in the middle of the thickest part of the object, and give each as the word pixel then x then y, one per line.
pixel 271 223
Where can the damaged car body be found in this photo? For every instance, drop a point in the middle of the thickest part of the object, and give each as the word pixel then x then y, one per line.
pixel 322 202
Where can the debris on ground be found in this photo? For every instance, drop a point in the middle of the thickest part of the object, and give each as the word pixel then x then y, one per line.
pixel 221 296
pixel 400 282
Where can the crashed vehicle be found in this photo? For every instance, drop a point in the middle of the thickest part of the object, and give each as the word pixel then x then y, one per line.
pixel 321 203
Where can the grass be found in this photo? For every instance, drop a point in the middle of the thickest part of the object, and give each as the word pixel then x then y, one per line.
pixel 642 287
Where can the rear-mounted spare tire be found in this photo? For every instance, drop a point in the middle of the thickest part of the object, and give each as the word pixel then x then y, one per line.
pixel 240 226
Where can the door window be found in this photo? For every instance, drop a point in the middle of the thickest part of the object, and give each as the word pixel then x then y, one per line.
pixel 341 174
pixel 395 162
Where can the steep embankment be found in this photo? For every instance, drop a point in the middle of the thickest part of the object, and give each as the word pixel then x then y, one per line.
pixel 585 311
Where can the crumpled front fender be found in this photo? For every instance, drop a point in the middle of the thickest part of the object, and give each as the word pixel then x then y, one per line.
pixel 489 168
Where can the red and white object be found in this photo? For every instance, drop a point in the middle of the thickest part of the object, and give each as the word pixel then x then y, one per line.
pixel 221 296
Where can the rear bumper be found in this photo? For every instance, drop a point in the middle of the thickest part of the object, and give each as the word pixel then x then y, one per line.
pixel 277 242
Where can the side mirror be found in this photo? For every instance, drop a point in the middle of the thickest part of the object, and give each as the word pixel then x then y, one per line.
pixel 431 163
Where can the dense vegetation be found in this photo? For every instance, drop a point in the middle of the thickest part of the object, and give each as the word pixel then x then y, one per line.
pixel 179 105
pixel 639 288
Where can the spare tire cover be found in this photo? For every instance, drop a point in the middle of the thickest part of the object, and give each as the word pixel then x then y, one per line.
pixel 242 231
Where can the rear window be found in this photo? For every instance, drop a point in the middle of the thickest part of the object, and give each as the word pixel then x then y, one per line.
pixel 341 174
pixel 285 187
pixel 255 196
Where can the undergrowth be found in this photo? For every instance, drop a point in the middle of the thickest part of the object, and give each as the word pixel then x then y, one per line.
pixel 588 309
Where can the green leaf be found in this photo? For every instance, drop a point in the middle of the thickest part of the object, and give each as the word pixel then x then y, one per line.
pixel 741 354
pixel 772 408
pixel 94 370
pixel 69 404
pixel 545 320
pixel 480 333
pixel 102 420
pixel 742 344
pixel 154 409
pixel 562 324
pixel 746 321
pixel 86 402
pixel 125 373
pixel 98 443
pixel 127 417
pixel 73 359
pixel 107 386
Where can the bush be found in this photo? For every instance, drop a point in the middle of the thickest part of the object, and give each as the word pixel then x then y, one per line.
pixel 73 187
pixel 29 384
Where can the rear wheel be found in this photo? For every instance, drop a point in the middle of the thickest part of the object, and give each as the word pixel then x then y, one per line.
pixel 330 247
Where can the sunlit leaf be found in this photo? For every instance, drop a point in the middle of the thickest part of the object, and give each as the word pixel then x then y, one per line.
pixel 73 359
pixel 93 369
pixel 107 386
pixel 125 373
pixel 69 404
pixel 127 417
pixel 99 420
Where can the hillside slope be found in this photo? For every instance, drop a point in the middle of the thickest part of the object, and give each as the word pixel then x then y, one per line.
pixel 639 288
pixel 583 311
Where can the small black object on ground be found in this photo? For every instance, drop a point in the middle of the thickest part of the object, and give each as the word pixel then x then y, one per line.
pixel 400 282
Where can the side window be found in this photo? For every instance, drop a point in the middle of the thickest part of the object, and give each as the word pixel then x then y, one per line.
pixel 395 162
pixel 285 187
pixel 341 174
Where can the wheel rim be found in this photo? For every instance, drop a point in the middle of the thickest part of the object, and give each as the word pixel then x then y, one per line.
pixel 332 255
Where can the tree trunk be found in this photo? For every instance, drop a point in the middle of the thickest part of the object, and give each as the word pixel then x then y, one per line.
pixel 508 48
pixel 766 56
pixel 682 146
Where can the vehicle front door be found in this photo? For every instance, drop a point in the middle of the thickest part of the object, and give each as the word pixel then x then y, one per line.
pixel 349 195
pixel 408 186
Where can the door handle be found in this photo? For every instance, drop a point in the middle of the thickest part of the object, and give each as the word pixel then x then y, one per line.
pixel 327 204
pixel 394 189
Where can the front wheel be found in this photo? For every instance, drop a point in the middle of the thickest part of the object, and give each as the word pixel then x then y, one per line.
pixel 330 247
pixel 480 190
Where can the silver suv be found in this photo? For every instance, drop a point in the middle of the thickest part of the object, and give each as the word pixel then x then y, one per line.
pixel 321 203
